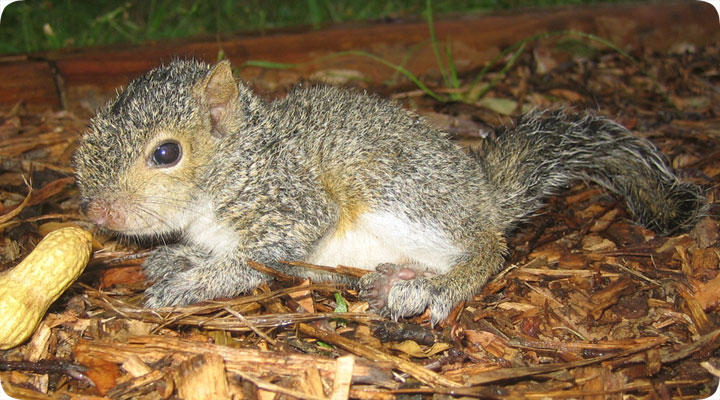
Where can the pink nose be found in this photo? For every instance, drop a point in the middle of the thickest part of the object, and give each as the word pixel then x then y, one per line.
pixel 97 213
pixel 105 214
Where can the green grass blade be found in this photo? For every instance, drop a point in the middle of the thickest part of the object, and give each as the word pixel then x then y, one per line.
pixel 500 74
pixel 406 58
pixel 486 68
pixel 315 14
pixel 434 42
pixel 414 79
pixel 269 64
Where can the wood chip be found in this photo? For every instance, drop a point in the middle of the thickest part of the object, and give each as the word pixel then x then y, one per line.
pixel 202 377
pixel 343 377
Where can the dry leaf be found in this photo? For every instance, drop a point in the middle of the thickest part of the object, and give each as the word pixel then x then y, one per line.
pixel 595 244
pixel 413 349
pixel 492 343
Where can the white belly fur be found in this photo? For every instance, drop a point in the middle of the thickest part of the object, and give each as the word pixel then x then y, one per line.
pixel 382 237
pixel 206 231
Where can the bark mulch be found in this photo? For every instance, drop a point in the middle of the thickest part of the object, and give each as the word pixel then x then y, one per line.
pixel 590 304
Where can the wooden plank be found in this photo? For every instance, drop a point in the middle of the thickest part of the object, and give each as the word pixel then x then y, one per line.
pixel 27 80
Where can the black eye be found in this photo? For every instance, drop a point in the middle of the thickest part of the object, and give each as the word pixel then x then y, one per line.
pixel 167 154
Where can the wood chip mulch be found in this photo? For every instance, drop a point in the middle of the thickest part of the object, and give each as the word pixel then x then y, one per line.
pixel 589 306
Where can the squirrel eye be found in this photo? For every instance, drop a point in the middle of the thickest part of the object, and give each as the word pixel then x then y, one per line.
pixel 167 154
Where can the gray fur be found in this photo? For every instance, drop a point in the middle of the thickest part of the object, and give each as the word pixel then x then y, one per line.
pixel 279 176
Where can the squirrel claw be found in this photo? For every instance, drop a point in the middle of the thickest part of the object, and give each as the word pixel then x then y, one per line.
pixel 375 286
pixel 400 291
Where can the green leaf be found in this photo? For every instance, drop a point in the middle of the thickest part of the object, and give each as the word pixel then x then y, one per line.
pixel 324 345
pixel 341 305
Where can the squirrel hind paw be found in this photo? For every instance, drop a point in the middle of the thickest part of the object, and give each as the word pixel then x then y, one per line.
pixel 395 290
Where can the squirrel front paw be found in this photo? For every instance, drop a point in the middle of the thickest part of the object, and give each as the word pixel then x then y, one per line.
pixel 179 289
pixel 401 291
pixel 169 260
pixel 176 272
pixel 185 275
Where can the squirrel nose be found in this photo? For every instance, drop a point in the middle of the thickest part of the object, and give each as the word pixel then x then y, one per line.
pixel 97 212
pixel 107 213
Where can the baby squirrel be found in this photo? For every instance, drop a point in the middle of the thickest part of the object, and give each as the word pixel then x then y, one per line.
pixel 332 176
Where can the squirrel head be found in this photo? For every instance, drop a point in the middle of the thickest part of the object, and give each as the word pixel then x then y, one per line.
pixel 138 166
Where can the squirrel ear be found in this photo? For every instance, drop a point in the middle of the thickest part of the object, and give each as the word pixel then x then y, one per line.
pixel 220 92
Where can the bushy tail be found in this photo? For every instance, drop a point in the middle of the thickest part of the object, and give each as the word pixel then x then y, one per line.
pixel 545 151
